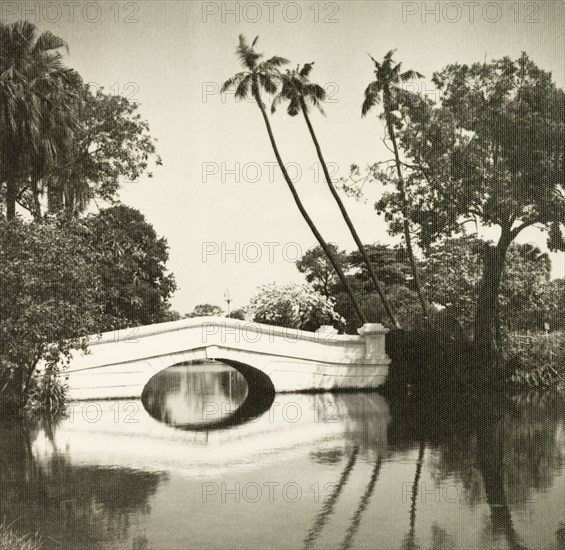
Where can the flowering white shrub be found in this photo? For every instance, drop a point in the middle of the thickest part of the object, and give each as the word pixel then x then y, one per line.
pixel 293 305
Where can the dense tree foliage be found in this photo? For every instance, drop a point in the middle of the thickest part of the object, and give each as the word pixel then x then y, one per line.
pixel 57 137
pixel 318 270
pixel 63 279
pixel 391 266
pixel 557 304
pixel 131 264
pixel 293 306
pixel 48 304
pixel 239 313
pixel 39 97
pixel 490 150
pixel 205 310
pixel 112 144
pixel 453 272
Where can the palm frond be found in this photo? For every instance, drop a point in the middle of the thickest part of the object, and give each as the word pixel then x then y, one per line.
pixel 24 31
pixel 377 64
pixel 233 82
pixel 268 83
pixel 242 90
pixel 372 97
pixel 306 70
pixel 317 103
pixel 277 61
pixel 247 55
pixel 316 92
pixel 48 41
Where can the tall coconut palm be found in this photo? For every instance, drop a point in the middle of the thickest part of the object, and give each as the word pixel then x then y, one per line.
pixel 264 75
pixel 386 85
pixel 37 102
pixel 299 91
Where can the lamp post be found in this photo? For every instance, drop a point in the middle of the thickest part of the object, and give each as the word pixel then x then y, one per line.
pixel 227 299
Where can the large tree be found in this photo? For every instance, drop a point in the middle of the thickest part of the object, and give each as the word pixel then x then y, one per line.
pixel 300 92
pixel 386 86
pixel 112 144
pixel 38 101
pixel 264 75
pixel 491 150
pixel 130 261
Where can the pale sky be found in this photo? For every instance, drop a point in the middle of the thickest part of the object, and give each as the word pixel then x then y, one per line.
pixel 218 190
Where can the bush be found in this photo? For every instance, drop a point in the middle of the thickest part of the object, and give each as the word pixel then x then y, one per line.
pixel 537 360
pixel 428 359
pixel 47 396
pixel 293 306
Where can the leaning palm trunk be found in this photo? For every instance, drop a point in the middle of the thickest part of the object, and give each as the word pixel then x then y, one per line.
pixel 347 219
pixel 405 221
pixel 305 215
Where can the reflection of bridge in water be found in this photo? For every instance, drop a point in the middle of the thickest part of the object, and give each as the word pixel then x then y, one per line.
pixel 101 433
pixel 121 363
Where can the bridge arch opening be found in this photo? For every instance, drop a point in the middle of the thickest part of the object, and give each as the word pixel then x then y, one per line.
pixel 163 393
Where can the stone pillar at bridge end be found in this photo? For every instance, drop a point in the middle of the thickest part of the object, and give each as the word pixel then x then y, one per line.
pixel 374 335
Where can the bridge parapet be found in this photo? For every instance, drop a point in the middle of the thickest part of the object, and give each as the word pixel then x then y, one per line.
pixel 374 335
pixel 121 363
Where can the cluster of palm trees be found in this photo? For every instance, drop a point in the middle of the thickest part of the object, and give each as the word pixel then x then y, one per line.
pixel 295 88
pixel 39 97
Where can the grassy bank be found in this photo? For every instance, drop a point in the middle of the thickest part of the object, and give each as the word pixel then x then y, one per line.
pixel 10 540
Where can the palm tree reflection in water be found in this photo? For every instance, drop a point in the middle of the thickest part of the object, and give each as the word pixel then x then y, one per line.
pixel 409 542
pixel 330 502
pixel 363 503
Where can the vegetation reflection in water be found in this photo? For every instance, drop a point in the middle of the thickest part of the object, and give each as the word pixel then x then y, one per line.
pixel 348 471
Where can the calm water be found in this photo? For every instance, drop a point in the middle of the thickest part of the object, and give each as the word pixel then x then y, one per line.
pixel 184 469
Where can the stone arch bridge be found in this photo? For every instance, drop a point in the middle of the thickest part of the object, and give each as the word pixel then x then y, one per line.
pixel 121 363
